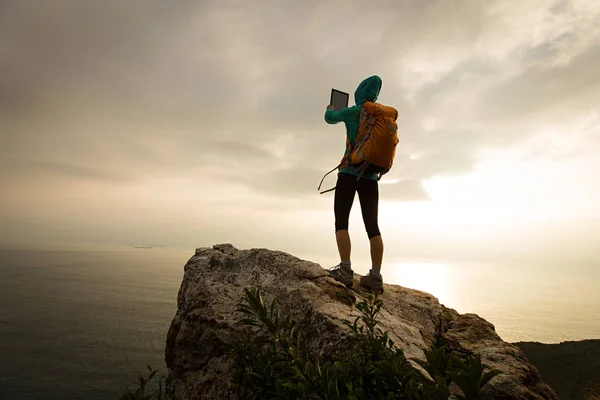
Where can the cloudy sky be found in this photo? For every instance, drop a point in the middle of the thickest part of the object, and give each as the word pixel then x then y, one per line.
pixel 191 123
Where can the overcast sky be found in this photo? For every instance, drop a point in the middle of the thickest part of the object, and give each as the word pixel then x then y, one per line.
pixel 191 123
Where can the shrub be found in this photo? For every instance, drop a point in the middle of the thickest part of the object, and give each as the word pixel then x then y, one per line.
pixel 272 361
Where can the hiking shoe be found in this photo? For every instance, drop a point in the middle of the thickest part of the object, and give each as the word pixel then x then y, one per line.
pixel 342 275
pixel 370 282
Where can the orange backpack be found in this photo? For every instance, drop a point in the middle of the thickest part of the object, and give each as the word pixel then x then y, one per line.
pixel 375 146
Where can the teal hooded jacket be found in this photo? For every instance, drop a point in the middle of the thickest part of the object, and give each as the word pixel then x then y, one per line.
pixel 368 90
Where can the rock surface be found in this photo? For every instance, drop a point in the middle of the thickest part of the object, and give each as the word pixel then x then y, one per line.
pixel 213 284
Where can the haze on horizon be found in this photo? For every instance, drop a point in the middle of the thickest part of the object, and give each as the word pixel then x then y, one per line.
pixel 193 123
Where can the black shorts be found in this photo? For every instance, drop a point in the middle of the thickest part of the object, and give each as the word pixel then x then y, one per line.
pixel 368 195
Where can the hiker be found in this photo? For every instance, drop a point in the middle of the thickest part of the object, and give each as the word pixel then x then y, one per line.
pixel 349 181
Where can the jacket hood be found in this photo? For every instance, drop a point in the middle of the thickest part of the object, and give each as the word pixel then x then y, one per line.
pixel 368 90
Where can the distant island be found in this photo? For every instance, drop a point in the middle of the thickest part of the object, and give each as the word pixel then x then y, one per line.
pixel 572 368
pixel 149 246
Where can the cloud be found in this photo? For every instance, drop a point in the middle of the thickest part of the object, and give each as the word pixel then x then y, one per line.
pixel 289 182
pixel 406 190
pixel 80 172
pixel 541 92
pixel 141 91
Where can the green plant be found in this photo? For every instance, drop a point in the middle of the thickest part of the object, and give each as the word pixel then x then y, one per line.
pixel 140 392
pixel 469 375
pixel 373 366
pixel 272 361
pixel 438 363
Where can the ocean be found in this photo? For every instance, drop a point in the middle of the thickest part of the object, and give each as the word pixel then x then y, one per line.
pixel 75 325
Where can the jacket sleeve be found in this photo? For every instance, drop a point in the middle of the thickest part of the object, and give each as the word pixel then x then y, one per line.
pixel 343 115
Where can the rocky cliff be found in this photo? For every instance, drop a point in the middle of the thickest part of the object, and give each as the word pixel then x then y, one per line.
pixel 214 279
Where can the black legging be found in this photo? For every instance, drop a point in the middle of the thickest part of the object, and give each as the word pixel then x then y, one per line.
pixel 368 195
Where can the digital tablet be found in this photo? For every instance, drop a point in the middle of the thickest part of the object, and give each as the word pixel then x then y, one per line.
pixel 339 99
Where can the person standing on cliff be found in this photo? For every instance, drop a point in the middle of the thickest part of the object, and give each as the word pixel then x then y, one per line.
pixel 368 193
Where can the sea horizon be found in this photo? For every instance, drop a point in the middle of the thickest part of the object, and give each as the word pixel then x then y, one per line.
pixel 81 321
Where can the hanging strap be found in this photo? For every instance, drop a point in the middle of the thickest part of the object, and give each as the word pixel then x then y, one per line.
pixel 322 179
pixel 328 190
pixel 345 160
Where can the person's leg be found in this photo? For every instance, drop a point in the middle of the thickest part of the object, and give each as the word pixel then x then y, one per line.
pixel 342 238
pixel 376 253
pixel 342 204
pixel 368 193
pixel 344 197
